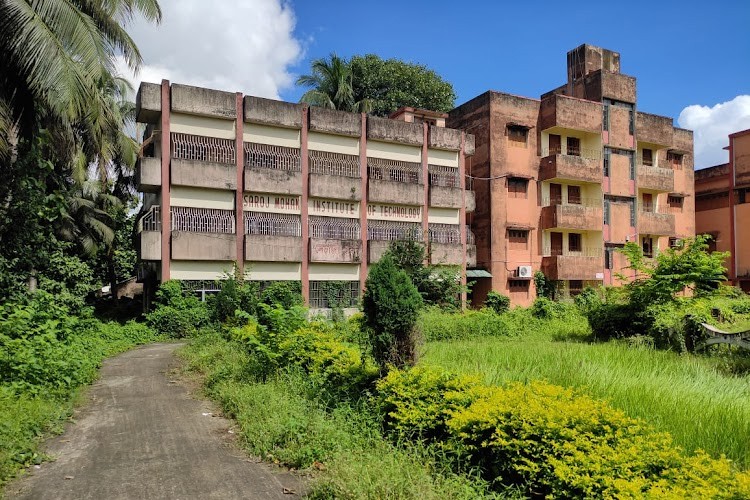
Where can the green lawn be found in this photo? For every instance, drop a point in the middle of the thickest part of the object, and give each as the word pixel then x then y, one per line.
pixel 684 395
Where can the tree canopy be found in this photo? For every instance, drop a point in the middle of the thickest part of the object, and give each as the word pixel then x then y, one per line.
pixel 374 85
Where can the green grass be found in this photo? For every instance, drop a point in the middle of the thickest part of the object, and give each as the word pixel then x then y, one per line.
pixel 684 395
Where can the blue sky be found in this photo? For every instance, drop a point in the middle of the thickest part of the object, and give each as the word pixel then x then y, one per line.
pixel 691 58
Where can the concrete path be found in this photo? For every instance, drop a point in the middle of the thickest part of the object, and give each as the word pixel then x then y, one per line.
pixel 143 436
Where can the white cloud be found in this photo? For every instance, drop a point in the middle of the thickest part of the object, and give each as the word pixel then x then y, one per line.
pixel 234 45
pixel 712 125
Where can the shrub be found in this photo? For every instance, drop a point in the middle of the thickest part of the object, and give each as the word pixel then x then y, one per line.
pixel 177 314
pixel 544 308
pixel 391 304
pixel 286 294
pixel 236 294
pixel 497 302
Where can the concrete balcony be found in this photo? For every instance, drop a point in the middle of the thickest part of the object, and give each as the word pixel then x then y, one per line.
pixel 203 246
pixel 328 250
pixel 270 180
pixel 572 267
pixel 206 174
pixel 335 186
pixel 376 249
pixel 446 253
pixel 571 216
pixel 395 192
pixel 471 255
pixel 655 178
pixel 586 168
pixel 568 112
pixel 654 129
pixel 150 245
pixel 445 197
pixel 148 174
pixel 266 248
pixel 656 223
pixel 471 201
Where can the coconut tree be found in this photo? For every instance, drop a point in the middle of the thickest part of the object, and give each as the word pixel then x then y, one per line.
pixel 331 86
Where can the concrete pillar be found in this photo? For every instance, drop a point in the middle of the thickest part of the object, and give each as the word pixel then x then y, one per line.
pixel 462 217
pixel 303 205
pixel 363 172
pixel 166 155
pixel 240 162
pixel 426 199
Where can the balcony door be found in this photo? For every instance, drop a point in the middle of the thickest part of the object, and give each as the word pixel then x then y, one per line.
pixel 556 243
pixel 555 144
pixel 555 194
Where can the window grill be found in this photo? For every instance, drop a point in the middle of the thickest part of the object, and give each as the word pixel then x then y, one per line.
pixel 334 228
pixel 202 220
pixel 445 233
pixel 444 176
pixel 323 293
pixel 274 157
pixel 394 170
pixel 151 220
pixel 197 147
pixel 270 224
pixel 381 230
pixel 323 162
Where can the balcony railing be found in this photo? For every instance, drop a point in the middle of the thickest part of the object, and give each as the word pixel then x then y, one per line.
pixel 202 220
pixel 470 238
pixel 592 154
pixel 444 176
pixel 378 230
pixel 583 252
pixel 334 228
pixel 394 170
pixel 325 163
pixel 151 220
pixel 270 224
pixel 445 233
pixel 198 147
pixel 548 201
pixel 273 157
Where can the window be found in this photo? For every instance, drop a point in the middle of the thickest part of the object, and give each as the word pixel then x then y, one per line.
pixel 674 160
pixel 647 157
pixel 605 115
pixel 674 242
pixel 648 202
pixel 518 285
pixel 575 287
pixel 517 135
pixel 518 239
pixel 574 146
pixel 609 258
pixel 555 144
pixel 607 211
pixel 675 203
pixel 517 187
pixel 574 195
pixel 574 242
pixel 648 246
pixel 607 153
pixel 741 196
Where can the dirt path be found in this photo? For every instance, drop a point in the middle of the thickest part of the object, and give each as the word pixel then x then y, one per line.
pixel 143 436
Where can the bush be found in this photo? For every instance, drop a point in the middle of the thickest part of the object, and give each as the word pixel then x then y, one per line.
pixel 544 308
pixel 286 294
pixel 391 304
pixel 177 314
pixel 236 294
pixel 497 302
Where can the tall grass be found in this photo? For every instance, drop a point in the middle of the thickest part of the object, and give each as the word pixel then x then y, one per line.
pixel 684 395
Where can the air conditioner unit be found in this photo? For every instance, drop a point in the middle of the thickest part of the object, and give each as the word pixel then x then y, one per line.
pixel 524 272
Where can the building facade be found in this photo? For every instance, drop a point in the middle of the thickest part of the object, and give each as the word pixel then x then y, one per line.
pixel 722 207
pixel 293 193
pixel 562 181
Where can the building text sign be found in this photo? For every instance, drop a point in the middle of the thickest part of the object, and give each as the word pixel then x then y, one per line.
pixel 333 208
pixel 377 211
pixel 276 203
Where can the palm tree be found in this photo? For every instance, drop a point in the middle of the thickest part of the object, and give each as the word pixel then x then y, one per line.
pixel 331 86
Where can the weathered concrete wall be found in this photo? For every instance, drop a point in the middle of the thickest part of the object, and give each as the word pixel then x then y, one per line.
pixel 148 103
pixel 570 112
pixel 471 201
pixel 272 112
pixel 203 246
pixel 335 186
pixel 445 197
pixel 619 128
pixel 469 145
pixel 335 122
pixel 446 253
pixel 203 174
pixel 571 267
pixel 263 248
pixel 618 86
pixel 325 250
pixel 570 167
pixel 270 180
pixel 444 138
pixel 148 174
pixel 619 223
pixel 619 175
pixel 655 178
pixel 654 129
pixel 741 146
pixel 399 193
pixel 204 102
pixel 572 217
pixel 383 129
pixel 471 255
pixel 376 249
pixel 150 245
pixel 656 223
pixel 682 140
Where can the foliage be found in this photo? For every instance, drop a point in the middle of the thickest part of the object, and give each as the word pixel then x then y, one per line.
pixel 544 287
pixel 177 314
pixel 390 84
pixel 497 302
pixel 284 293
pixel 331 86
pixel 391 304
pixel 236 294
